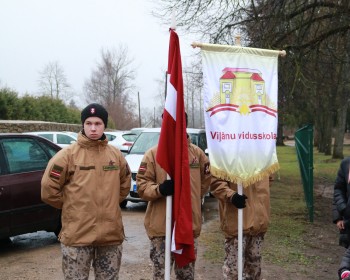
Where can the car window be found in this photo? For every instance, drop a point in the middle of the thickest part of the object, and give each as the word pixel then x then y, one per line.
pixel 110 137
pixel 64 139
pixel 24 155
pixel 193 138
pixel 47 136
pixel 202 141
pixel 129 137
pixel 144 142
pixel 199 139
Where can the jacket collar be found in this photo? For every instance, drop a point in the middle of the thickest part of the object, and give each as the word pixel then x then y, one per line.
pixel 86 142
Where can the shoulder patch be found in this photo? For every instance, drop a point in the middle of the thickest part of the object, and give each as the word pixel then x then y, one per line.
pixel 56 171
pixel 142 168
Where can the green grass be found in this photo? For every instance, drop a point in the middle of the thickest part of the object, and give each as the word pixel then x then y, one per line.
pixel 289 216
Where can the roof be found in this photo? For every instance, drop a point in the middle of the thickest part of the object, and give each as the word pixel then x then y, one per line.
pixel 228 75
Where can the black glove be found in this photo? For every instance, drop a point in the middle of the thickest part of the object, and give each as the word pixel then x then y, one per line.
pixel 167 188
pixel 239 200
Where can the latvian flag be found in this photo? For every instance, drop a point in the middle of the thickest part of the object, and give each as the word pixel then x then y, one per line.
pixel 172 156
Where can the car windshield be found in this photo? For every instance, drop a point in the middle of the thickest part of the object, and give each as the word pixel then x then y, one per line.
pixel 145 141
pixel 199 139
pixel 130 137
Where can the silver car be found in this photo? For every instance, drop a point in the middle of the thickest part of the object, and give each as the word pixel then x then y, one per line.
pixel 146 140
pixel 60 138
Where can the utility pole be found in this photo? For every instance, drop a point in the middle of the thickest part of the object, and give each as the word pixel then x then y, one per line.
pixel 154 116
pixel 138 96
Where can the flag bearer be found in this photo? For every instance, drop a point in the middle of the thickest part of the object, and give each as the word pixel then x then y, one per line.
pixel 256 218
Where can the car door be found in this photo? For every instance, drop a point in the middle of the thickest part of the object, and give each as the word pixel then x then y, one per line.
pixel 25 166
pixel 5 195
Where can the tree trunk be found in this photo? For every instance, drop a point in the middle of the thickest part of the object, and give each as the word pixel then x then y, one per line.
pixel 279 140
pixel 339 132
pixel 324 127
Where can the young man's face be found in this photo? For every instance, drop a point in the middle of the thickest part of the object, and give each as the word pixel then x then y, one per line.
pixel 94 128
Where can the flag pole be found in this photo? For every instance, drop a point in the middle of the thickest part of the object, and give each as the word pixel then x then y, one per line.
pixel 240 211
pixel 168 218
pixel 169 205
pixel 194 45
pixel 240 236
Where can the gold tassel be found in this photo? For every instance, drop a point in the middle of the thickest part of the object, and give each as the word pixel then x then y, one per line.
pixel 247 181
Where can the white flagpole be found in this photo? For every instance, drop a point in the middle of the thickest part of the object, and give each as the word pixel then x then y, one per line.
pixel 169 205
pixel 240 211
pixel 240 236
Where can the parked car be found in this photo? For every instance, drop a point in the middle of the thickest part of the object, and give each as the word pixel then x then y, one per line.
pixel 147 139
pixel 123 140
pixel 74 134
pixel 61 138
pixel 23 161
pixel 137 130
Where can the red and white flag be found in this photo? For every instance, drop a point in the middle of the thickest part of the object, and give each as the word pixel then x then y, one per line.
pixel 172 156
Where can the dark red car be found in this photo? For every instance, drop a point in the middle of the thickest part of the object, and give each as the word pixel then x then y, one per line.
pixel 23 159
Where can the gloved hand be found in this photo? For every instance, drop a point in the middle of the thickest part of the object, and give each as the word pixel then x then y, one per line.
pixel 239 200
pixel 167 188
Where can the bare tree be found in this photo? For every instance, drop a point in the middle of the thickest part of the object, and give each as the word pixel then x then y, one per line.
pixel 111 85
pixel 315 34
pixel 53 82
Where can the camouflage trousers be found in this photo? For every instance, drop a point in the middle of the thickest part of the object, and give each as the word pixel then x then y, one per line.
pixel 105 260
pixel 157 255
pixel 251 257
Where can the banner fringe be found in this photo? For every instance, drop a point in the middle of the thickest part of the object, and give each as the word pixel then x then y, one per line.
pixel 246 182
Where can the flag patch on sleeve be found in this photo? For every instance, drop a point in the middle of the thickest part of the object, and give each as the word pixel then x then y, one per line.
pixel 142 168
pixel 56 171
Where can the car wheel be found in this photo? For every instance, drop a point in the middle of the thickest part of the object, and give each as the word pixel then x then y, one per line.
pixel 123 204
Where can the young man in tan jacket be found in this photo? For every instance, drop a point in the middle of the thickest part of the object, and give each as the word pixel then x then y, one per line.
pixel 256 218
pixel 87 180
pixel 153 186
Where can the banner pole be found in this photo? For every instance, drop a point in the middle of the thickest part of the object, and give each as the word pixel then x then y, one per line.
pixel 240 211
pixel 194 45
pixel 240 236
pixel 169 206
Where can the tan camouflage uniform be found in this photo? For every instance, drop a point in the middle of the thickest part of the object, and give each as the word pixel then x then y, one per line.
pixel 105 260
pixel 256 218
pixel 87 180
pixel 251 258
pixel 157 255
pixel 149 177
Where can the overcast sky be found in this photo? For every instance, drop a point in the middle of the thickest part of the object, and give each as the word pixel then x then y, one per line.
pixel 73 32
